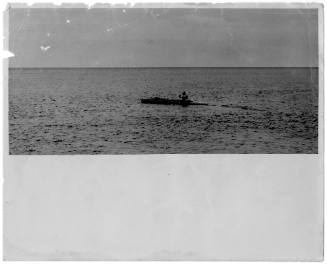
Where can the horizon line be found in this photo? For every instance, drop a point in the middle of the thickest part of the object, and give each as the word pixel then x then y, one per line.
pixel 178 67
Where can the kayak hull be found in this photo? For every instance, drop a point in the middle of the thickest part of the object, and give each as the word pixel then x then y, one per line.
pixel 165 101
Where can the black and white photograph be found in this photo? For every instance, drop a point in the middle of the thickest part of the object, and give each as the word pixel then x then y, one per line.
pixel 163 131
pixel 163 81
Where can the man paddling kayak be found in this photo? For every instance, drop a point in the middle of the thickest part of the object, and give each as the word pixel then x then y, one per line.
pixel 183 101
pixel 183 96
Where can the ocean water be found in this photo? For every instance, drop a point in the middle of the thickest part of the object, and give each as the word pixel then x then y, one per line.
pixel 98 111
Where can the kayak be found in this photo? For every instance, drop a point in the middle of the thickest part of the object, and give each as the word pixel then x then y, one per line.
pixel 165 101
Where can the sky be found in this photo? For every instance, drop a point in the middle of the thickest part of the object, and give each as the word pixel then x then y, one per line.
pixel 163 37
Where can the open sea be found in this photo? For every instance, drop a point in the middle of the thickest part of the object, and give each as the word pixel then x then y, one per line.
pixel 98 111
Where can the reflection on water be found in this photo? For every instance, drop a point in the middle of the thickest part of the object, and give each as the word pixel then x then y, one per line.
pixel 98 111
